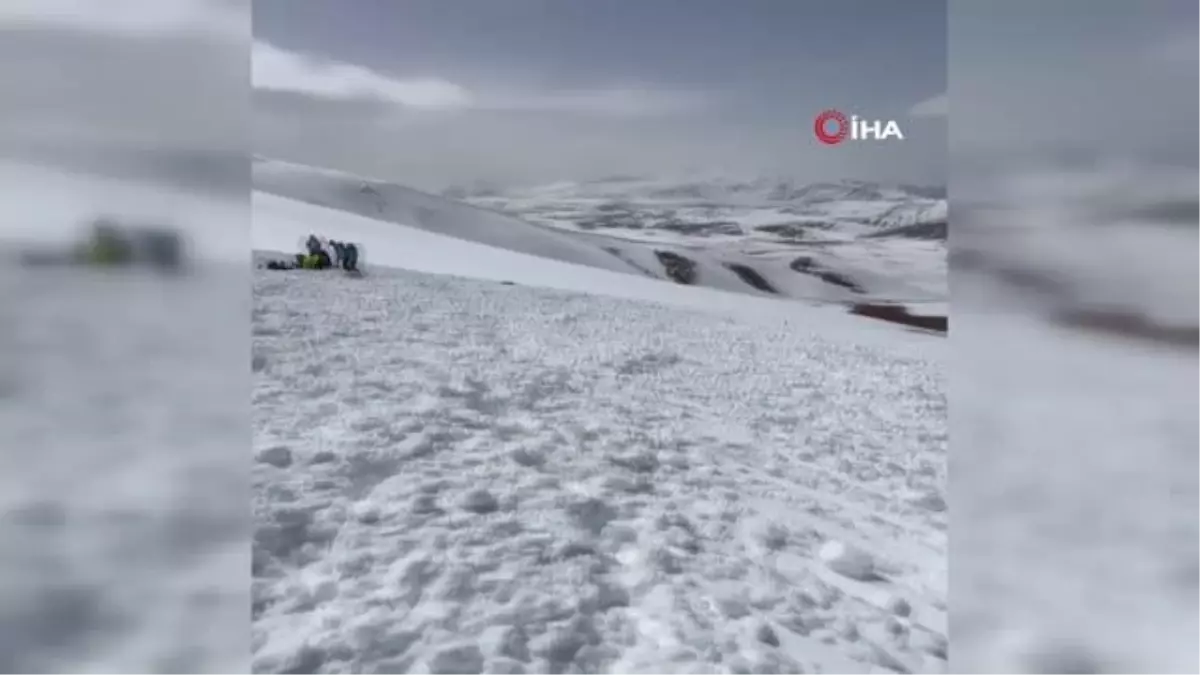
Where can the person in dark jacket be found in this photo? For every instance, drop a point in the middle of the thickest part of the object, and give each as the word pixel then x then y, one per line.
pixel 339 252
pixel 349 257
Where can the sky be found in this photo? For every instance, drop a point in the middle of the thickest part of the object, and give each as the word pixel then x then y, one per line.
pixel 440 92
pixel 511 89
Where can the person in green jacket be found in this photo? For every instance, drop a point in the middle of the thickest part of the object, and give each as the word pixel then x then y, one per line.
pixel 107 246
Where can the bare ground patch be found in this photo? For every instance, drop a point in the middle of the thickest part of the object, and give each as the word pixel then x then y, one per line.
pixel 752 278
pixel 806 265
pixel 681 270
pixel 899 315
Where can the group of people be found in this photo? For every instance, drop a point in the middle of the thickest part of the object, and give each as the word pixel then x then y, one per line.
pixel 117 243
pixel 319 257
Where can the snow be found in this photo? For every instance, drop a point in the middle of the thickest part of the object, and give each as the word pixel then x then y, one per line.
pixel 398 204
pixel 848 561
pixel 486 478
pixel 584 470
pixel 591 469
pixel 657 210
pixel 892 269
pixel 282 224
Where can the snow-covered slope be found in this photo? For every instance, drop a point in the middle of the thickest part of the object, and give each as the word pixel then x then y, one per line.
pixel 461 476
pixel 582 470
pixel 280 224
pixel 893 269
pixel 398 204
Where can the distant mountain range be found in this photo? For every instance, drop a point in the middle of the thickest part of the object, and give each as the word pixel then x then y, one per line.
pixel 765 208
pixel 841 242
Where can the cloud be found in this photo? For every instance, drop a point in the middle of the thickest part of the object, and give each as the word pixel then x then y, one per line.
pixel 275 69
pixel 938 106
pixel 429 129
pixel 283 71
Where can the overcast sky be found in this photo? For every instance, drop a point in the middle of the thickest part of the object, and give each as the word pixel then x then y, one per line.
pixel 513 89
pixel 434 92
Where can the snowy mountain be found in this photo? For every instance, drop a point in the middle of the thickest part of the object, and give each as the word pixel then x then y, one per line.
pixel 756 255
pixel 479 459
pixel 759 208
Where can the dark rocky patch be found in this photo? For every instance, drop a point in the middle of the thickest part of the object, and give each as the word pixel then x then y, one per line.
pixel 899 315
pixel 706 228
pixel 806 265
pixel 616 253
pixel 785 230
pixel 617 216
pixel 840 280
pixel 752 277
pixel 681 270
pixel 611 220
pixel 933 230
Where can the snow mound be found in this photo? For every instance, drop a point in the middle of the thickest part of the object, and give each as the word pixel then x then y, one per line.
pixel 848 561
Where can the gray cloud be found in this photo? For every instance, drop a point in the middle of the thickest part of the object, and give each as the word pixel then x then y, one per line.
pixel 281 70
pixel 433 149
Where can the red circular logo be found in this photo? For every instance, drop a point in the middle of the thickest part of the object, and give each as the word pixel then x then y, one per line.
pixel 829 118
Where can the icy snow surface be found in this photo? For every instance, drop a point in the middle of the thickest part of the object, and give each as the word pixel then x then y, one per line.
pixel 460 475
pixel 457 475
